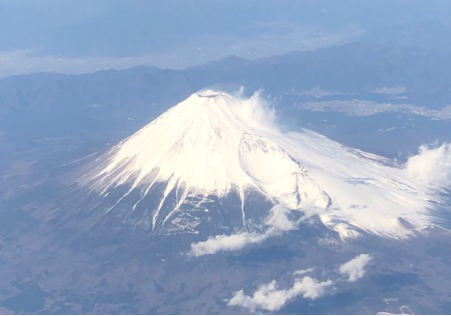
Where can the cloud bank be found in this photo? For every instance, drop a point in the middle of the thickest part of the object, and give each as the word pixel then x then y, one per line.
pixel 431 167
pixel 355 268
pixel 269 298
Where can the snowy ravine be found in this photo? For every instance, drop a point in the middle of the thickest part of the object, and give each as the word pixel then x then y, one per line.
pixel 214 143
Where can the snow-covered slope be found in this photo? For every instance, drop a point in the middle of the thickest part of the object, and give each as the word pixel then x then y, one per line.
pixel 278 175
pixel 214 144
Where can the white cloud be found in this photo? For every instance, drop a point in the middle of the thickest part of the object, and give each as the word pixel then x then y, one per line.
pixel 226 243
pixel 269 298
pixel 405 310
pixel 431 167
pixel 355 268
pixel 302 272
pixel 278 219
pixel 390 90
pixel 277 222
pixel 255 111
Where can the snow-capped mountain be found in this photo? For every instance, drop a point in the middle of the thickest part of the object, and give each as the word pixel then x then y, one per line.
pixel 215 154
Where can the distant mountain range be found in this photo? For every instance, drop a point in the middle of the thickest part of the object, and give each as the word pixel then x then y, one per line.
pixel 356 68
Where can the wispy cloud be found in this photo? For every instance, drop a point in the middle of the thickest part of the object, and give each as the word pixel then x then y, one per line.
pixel 431 167
pixel 403 310
pixel 355 268
pixel 303 271
pixel 390 90
pixel 270 298
pixel 226 243
pixel 277 222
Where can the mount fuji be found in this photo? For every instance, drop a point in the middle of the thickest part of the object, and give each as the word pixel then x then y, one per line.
pixel 220 163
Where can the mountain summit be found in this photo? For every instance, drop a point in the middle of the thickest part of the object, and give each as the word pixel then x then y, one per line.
pixel 214 155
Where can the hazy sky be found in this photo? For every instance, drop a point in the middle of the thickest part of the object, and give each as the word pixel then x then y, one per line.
pixel 84 35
